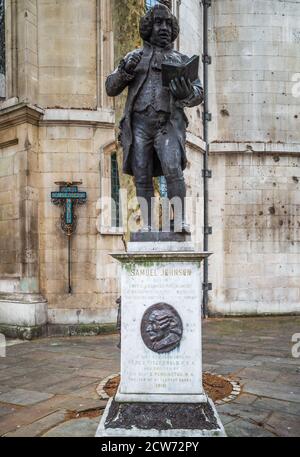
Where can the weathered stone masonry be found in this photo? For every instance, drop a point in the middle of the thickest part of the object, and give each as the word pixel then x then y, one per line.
pixel 56 123
pixel 255 147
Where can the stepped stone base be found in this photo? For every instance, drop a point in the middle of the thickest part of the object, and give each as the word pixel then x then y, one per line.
pixel 160 420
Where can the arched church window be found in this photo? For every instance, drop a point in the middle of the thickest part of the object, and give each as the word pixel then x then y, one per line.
pixel 150 3
pixel 169 3
pixel 115 192
pixel 2 49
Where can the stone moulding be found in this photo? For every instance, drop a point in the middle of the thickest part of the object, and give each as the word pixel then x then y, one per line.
pixel 23 315
pixel 23 332
pixel 153 256
pixel 20 113
pixel 22 298
pixel 8 144
pixel 100 117
pixel 195 142
pixel 250 147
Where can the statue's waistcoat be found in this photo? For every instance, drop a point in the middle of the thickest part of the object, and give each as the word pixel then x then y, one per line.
pixel 153 93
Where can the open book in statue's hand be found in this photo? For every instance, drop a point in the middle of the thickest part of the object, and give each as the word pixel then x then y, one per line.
pixel 189 70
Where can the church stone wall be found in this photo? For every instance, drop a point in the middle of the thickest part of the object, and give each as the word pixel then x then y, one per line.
pixel 9 208
pixel 56 122
pixel 67 32
pixel 72 153
pixel 255 47
pixel 53 125
pixel 255 150
pixel 255 268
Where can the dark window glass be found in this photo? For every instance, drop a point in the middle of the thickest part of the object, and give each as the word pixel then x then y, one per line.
pixel 115 192
pixel 2 47
pixel 150 3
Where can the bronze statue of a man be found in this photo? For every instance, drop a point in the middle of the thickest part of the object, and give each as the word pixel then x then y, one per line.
pixel 153 128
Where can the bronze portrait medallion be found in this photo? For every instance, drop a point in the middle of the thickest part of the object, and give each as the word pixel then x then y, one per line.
pixel 161 328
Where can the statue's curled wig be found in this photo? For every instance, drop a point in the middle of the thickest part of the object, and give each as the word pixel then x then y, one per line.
pixel 147 21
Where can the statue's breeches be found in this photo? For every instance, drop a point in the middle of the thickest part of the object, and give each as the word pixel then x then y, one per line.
pixel 154 138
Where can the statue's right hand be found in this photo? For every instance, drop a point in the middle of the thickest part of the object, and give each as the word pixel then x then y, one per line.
pixel 132 61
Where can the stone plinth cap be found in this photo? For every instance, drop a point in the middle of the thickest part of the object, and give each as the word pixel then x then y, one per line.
pixel 154 256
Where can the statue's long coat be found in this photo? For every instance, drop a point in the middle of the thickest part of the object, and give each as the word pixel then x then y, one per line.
pixel 119 80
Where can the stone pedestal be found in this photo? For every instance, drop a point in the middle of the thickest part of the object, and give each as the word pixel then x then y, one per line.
pixel 22 315
pixel 161 392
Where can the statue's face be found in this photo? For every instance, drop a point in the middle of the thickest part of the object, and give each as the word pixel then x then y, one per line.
pixel 162 28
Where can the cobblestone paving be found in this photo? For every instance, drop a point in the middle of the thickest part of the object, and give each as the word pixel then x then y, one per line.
pixel 47 386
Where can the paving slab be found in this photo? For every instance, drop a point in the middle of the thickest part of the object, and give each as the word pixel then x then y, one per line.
pixel 75 428
pixel 239 363
pixel 284 424
pixel 44 382
pixel 24 397
pixel 70 385
pixel 273 390
pixel 4 388
pixel 226 419
pixel 245 399
pixel 82 405
pixel 287 378
pixel 243 428
pixel 22 382
pixel 242 411
pixel 15 372
pixel 29 415
pixel 271 404
pixel 87 392
pixel 259 374
pixel 254 351
pixel 6 410
pixel 40 426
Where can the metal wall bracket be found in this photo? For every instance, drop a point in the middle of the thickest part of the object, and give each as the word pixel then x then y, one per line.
pixel 208 230
pixel 207 116
pixel 207 286
pixel 206 59
pixel 206 173
pixel 206 2
pixel 68 197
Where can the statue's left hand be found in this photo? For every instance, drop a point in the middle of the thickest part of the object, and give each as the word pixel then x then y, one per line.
pixel 181 88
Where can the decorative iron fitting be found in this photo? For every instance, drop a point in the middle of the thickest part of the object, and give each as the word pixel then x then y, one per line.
pixel 206 59
pixel 207 116
pixel 68 197
pixel 206 173
pixel 208 230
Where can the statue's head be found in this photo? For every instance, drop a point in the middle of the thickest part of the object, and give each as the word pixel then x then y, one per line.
pixel 159 26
